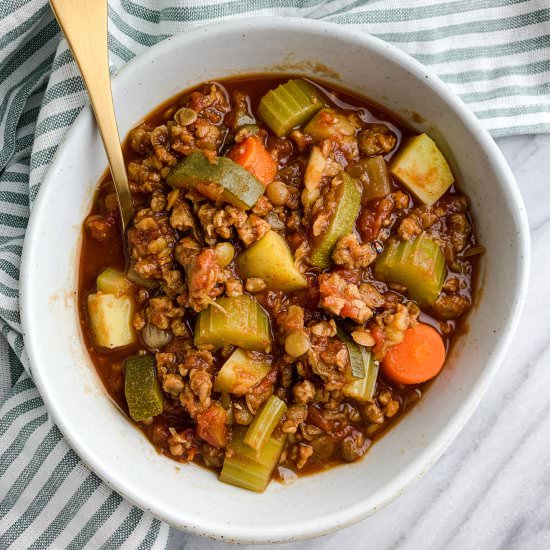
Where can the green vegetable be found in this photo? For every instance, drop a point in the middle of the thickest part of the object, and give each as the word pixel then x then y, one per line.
pixel 362 389
pixel 248 468
pixel 357 355
pixel 418 265
pixel 141 387
pixel 240 373
pixel 346 195
pixel 112 281
pixel 270 259
pixel 221 179
pixel 422 169
pixel 111 319
pixel 379 179
pixel 238 321
pixel 264 423
pixel 289 105
pixel 329 123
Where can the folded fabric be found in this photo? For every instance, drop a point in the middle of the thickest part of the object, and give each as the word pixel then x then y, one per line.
pixel 494 53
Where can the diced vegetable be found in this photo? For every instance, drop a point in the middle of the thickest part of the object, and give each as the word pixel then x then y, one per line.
pixel 212 426
pixel 357 355
pixel 240 373
pixel 341 220
pixel 217 180
pixel 422 169
pixel 112 281
pixel 379 184
pixel 329 123
pixel 237 321
pixel 417 358
pixel 289 105
pixel 155 338
pixel 133 276
pixel 111 319
pixel 363 389
pixel 264 423
pixel 248 468
pixel 254 157
pixel 418 265
pixel 141 387
pixel 270 259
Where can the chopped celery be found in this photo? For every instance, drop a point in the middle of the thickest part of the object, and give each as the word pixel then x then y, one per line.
pixel 240 373
pixel 346 195
pixel 270 258
pixel 237 321
pixel 264 423
pixel 379 184
pixel 111 319
pixel 363 389
pixel 250 469
pixel 289 105
pixel 112 281
pixel 141 387
pixel 422 169
pixel 418 265
pixel 220 179
pixel 329 123
pixel 357 355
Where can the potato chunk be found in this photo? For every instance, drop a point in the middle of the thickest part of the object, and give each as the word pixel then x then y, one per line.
pixel 240 373
pixel 111 319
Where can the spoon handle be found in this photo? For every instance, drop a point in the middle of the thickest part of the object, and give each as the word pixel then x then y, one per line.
pixel 84 23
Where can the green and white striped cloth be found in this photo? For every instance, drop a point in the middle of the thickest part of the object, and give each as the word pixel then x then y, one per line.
pixel 494 53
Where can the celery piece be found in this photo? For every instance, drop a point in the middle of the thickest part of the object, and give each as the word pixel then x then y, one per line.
pixel 141 387
pixel 358 358
pixel 289 105
pixel 346 195
pixel 418 265
pixel 250 469
pixel 270 259
pixel 379 184
pixel 218 179
pixel 422 169
pixel 237 321
pixel 112 281
pixel 363 389
pixel 264 423
pixel 240 373
pixel 329 124
pixel 111 319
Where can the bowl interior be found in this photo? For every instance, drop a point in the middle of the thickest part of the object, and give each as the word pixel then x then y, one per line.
pixel 190 497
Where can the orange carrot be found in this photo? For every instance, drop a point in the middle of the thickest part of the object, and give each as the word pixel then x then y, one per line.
pixel 417 358
pixel 254 157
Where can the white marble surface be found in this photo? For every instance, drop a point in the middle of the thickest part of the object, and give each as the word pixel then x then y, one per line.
pixel 490 490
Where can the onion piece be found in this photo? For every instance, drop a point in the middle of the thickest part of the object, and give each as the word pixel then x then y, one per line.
pixel 155 338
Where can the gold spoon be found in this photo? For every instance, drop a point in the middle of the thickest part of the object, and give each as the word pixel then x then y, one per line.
pixel 84 23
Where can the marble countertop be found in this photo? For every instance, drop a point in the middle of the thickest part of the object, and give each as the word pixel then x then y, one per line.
pixel 490 489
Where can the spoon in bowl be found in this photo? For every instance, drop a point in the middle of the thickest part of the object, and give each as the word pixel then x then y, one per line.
pixel 84 24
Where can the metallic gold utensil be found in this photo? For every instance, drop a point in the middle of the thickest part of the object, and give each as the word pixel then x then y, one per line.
pixel 84 23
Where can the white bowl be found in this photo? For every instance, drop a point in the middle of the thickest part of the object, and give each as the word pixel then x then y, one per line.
pixel 190 497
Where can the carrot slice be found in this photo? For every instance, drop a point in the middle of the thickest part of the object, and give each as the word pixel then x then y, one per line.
pixel 254 157
pixel 417 358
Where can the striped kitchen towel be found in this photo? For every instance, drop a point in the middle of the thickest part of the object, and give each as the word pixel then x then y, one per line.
pixel 494 53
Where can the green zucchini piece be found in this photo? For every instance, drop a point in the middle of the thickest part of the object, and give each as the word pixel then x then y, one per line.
pixel 237 321
pixel 379 184
pixel 141 387
pixel 264 423
pixel 250 469
pixel 418 265
pixel 270 259
pixel 421 167
pixel 112 281
pixel 363 389
pixel 111 319
pixel 328 124
pixel 289 105
pixel 240 373
pixel 221 179
pixel 346 195
pixel 357 355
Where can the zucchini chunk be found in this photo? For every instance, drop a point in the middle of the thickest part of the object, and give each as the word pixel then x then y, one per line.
pixel 329 124
pixel 141 387
pixel 240 373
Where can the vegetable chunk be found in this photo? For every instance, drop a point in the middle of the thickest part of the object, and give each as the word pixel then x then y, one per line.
pixel 111 320
pixel 141 387
pixel 240 373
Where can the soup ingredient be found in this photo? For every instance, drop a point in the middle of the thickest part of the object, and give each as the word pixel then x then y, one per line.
pixel 264 423
pixel 329 124
pixel 141 387
pixel 422 169
pixel 417 358
pixel 112 281
pixel 364 388
pixel 212 426
pixel 418 265
pixel 237 321
pixel 357 356
pixel 270 259
pixel 225 252
pixel 334 218
pixel 379 179
pixel 254 157
pixel 289 105
pixel 248 468
pixel 240 372
pixel 111 319
pixel 219 179
pixel 155 338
